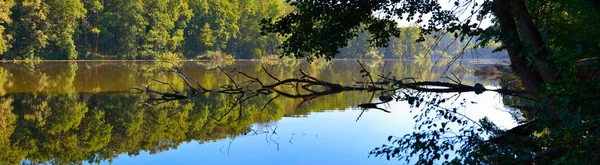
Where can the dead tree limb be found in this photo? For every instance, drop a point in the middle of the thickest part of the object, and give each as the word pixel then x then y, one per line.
pixel 309 87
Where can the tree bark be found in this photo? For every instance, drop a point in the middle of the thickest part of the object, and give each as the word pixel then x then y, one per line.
pixel 96 42
pixel 511 41
pixel 531 34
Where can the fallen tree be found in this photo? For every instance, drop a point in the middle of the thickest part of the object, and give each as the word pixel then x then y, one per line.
pixel 427 95
pixel 309 87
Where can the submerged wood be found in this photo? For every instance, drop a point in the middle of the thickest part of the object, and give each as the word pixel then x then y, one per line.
pixel 308 87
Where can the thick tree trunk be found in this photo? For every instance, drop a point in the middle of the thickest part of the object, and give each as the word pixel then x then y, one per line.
pixel 511 41
pixel 531 34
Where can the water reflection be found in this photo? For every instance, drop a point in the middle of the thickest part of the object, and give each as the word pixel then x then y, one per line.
pixel 65 113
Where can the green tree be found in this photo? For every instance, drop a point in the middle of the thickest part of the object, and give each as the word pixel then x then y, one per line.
pixel 396 48
pixel 222 17
pixel 63 20
pixel 166 20
pixel 249 43
pixel 123 27
pixel 29 28
pixel 5 6
pixel 207 37
pixel 89 31
pixel 356 48
pixel 133 29
pixel 414 49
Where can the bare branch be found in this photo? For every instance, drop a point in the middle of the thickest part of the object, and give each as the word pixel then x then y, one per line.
pixel 166 83
pixel 308 87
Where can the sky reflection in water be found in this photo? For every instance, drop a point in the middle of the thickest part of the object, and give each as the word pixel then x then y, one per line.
pixel 62 105
pixel 331 137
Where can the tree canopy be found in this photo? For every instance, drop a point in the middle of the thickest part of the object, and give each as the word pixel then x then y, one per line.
pixel 169 29
pixel 109 29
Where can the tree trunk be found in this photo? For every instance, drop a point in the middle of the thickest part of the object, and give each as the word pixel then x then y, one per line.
pixel 97 39
pixel 531 34
pixel 511 41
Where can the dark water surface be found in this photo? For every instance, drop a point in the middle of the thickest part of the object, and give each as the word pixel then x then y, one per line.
pixel 63 113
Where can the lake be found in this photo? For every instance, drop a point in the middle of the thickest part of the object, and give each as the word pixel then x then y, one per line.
pixel 88 112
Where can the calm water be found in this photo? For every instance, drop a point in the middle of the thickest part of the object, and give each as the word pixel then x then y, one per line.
pixel 63 113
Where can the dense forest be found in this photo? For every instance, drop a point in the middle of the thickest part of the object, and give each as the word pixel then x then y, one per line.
pixel 168 29
pixel 115 29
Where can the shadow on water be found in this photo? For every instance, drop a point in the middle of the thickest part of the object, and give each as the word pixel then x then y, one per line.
pixel 88 112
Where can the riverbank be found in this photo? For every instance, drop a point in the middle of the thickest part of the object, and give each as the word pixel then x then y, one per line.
pixel 484 61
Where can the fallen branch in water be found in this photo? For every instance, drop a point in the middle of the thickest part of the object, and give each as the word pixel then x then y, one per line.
pixel 243 87
pixel 308 87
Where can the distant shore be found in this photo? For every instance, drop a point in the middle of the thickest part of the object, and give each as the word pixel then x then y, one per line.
pixel 469 60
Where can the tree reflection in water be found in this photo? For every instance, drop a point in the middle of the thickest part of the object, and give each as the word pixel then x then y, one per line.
pixel 85 112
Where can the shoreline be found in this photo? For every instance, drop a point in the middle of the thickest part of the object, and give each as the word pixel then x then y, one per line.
pixel 471 60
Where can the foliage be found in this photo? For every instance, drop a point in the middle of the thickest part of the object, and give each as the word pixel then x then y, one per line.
pixel 29 31
pixel 215 55
pixel 250 43
pixel 406 46
pixel 5 6
pixel 171 29
pixel 167 19
pixel 63 20
pixel 115 29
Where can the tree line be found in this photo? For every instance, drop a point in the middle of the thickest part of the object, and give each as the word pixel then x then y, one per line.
pixel 131 29
pixel 408 45
pixel 164 29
